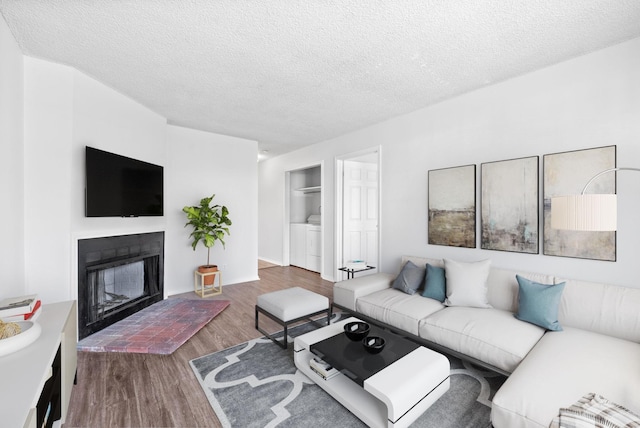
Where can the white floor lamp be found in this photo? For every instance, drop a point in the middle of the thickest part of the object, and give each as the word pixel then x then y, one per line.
pixel 590 212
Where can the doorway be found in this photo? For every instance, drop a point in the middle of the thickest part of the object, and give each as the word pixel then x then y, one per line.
pixel 358 210
pixel 303 241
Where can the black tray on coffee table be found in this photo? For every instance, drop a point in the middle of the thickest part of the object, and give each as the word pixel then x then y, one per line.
pixel 351 359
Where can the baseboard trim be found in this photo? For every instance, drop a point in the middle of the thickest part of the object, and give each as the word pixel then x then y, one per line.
pixel 273 262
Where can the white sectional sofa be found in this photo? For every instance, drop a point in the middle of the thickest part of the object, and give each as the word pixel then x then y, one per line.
pixel 597 351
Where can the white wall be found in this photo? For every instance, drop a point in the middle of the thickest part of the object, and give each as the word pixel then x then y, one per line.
pixel 200 164
pixel 590 101
pixel 107 120
pixel 65 110
pixel 47 135
pixel 11 166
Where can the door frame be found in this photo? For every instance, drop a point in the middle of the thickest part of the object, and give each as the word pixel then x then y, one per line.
pixel 339 214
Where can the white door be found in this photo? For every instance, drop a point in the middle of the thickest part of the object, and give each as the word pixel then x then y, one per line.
pixel 360 211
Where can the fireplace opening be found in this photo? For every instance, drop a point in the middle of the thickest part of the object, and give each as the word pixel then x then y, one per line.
pixel 117 276
pixel 114 288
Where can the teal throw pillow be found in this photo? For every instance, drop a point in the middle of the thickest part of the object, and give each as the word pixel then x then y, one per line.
pixel 409 279
pixel 435 283
pixel 539 303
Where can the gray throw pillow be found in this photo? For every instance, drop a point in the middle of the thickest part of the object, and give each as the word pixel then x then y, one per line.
pixel 409 279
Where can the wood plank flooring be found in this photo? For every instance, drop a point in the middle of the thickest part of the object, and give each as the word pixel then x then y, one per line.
pixel 142 390
pixel 262 264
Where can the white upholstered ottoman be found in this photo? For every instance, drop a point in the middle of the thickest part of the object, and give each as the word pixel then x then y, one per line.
pixel 289 306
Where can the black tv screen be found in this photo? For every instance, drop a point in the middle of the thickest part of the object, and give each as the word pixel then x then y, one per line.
pixel 118 186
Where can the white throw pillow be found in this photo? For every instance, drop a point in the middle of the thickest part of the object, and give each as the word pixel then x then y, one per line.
pixel 467 283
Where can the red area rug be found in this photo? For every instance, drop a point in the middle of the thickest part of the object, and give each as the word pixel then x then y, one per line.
pixel 158 329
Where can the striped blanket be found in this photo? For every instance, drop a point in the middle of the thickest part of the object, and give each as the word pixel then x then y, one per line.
pixel 595 411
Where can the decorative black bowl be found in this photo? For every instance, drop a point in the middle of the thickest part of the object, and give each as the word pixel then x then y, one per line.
pixel 356 330
pixel 373 344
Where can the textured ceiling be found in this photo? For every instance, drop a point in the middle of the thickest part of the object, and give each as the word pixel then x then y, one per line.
pixel 294 72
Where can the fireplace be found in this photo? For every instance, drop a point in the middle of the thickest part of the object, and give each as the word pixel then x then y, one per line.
pixel 118 276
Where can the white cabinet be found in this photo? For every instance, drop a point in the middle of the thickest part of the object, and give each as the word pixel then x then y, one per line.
pixel 305 246
pixel 24 373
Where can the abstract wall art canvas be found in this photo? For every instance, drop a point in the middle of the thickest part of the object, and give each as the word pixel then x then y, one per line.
pixel 452 206
pixel 566 174
pixel 509 205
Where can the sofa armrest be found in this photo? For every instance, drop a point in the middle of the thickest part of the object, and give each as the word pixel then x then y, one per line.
pixel 345 293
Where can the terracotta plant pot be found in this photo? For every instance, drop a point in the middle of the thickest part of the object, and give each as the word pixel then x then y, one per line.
pixel 208 280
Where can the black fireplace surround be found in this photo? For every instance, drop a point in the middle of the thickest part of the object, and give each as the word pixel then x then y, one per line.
pixel 118 276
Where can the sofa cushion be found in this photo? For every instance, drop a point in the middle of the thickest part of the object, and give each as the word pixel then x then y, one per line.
pixel 398 309
pixel 601 308
pixel 490 335
pixel 435 285
pixel 422 261
pixel 346 293
pixel 560 369
pixel 410 278
pixel 502 287
pixel 467 283
pixel 538 303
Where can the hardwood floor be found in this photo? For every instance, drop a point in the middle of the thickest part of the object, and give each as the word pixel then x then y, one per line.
pixel 142 390
pixel 262 264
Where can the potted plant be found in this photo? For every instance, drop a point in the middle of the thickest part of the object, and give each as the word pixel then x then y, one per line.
pixel 209 223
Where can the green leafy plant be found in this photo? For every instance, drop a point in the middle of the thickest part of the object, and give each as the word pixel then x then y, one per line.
pixel 209 223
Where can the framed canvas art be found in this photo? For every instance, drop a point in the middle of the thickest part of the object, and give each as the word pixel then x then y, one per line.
pixel 566 174
pixel 452 206
pixel 509 205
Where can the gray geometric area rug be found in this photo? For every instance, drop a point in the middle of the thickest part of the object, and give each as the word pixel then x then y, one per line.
pixel 256 384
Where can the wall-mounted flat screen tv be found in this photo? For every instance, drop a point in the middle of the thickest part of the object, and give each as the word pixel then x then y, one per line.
pixel 118 186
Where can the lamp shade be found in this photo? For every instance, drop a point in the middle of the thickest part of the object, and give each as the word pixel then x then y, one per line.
pixel 591 212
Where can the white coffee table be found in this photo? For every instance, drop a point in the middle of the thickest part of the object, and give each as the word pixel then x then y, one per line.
pixel 393 397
